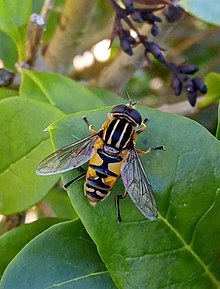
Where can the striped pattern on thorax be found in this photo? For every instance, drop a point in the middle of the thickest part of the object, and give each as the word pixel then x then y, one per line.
pixel 118 133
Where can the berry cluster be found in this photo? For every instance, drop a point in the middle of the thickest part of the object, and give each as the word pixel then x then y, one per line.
pixel 128 15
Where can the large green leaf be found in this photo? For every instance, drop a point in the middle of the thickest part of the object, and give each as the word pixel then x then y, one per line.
pixel 14 17
pixel 23 144
pixel 204 9
pixel 64 256
pixel 181 248
pixel 13 241
pixel 62 92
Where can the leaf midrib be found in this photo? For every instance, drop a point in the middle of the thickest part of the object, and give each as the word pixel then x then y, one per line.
pixel 6 169
pixel 40 85
pixel 78 279
pixel 189 248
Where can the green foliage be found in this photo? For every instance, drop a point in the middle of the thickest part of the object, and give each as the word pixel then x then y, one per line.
pixel 15 24
pixel 61 92
pixel 185 179
pixel 5 92
pixel 8 51
pixel 64 256
pixel 23 142
pixel 13 241
pixel 206 10
pixel 179 250
pixel 173 249
pixel 60 204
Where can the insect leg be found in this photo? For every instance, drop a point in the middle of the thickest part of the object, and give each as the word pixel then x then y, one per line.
pixel 73 181
pixel 151 149
pixel 118 198
pixel 91 130
pixel 143 126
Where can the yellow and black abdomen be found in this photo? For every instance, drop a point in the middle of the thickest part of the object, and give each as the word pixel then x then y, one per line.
pixel 102 173
pixel 105 165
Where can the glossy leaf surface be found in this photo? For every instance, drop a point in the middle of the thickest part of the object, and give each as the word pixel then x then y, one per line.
pixel 62 92
pixel 13 241
pixel 181 248
pixel 23 144
pixel 205 10
pixel 64 256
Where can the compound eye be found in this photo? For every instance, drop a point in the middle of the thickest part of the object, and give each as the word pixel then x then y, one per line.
pixel 136 116
pixel 121 108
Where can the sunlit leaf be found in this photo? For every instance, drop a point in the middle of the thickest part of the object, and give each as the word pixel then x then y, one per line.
pixel 180 249
pixel 62 92
pixel 63 256
pixel 6 92
pixel 13 241
pixel 23 144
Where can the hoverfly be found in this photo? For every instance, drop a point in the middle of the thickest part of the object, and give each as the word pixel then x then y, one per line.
pixel 111 153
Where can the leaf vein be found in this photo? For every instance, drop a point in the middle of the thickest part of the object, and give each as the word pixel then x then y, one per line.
pixel 77 279
pixel 39 84
pixel 156 254
pixel 189 248
pixel 202 217
pixel 21 158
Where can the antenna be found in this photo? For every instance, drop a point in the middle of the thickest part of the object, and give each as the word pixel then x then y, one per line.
pixel 130 101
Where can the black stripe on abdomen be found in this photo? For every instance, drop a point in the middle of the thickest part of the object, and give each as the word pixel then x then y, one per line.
pixel 95 194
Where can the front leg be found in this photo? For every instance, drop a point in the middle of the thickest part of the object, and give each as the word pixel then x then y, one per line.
pixel 140 152
pixel 142 126
pixel 91 130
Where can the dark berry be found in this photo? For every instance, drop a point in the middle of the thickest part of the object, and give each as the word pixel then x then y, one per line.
pixel 155 50
pixel 188 69
pixel 176 84
pixel 155 30
pixel 192 96
pixel 136 16
pixel 188 84
pixel 126 46
pixel 129 5
pixel 200 85
pixel 173 13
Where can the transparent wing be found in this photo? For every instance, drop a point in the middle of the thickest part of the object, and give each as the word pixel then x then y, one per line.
pixel 138 186
pixel 69 157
